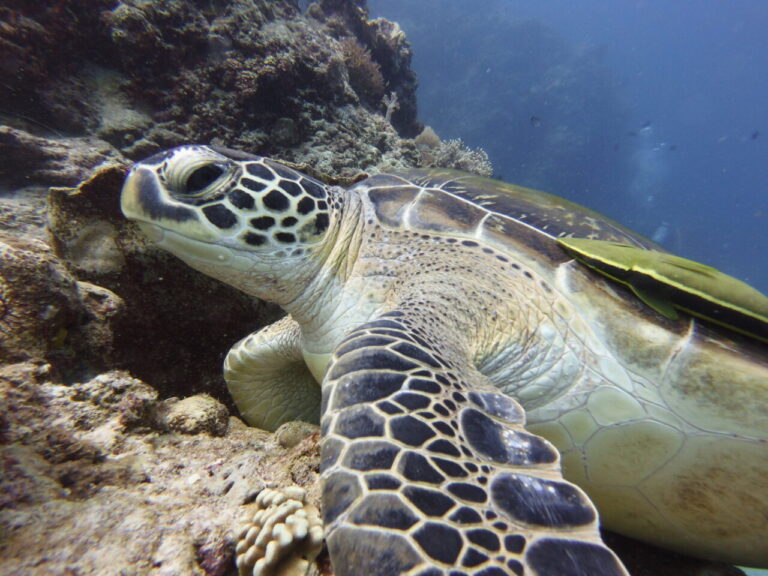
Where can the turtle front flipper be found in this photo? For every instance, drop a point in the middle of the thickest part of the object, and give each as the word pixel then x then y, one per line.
pixel 428 469
pixel 269 379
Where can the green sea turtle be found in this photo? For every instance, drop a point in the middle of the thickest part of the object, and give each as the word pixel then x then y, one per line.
pixel 464 358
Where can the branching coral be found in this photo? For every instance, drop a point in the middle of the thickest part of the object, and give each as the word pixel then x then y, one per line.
pixel 435 153
pixel 282 538
pixel 391 104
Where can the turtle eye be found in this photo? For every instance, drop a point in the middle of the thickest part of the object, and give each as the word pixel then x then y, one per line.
pixel 202 177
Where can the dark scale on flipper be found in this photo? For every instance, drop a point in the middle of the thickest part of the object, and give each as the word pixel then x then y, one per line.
pixel 572 558
pixel 288 221
pixel 416 353
pixel 490 571
pixel 466 515
pixel 376 359
pixel 384 323
pixel 451 468
pixel 340 491
pixel 220 216
pixel 498 405
pixel 410 430
pixel 441 542
pixel 484 538
pixel 497 442
pixel 394 553
pixel 415 467
pixel 370 455
pixel 388 332
pixel 389 408
pixel 277 201
pixel 516 567
pixel 424 344
pixel 443 380
pixel 442 410
pixel 539 502
pixel 387 511
pixel 468 492
pixel 473 558
pixel 412 401
pixel 364 342
pixel 514 543
pixel 372 387
pixel 444 428
pixel 382 482
pixel 260 171
pixel 422 385
pixel 430 502
pixel 359 422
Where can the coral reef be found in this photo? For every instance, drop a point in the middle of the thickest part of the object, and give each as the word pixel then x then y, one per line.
pixel 147 75
pixel 364 73
pixel 92 484
pixel 46 313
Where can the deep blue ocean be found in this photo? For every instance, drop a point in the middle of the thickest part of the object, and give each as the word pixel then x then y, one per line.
pixel 652 112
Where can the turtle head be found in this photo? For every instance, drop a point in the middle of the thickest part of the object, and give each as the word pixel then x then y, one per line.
pixel 246 220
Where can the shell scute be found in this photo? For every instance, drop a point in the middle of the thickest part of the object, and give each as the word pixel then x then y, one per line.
pixel 452 202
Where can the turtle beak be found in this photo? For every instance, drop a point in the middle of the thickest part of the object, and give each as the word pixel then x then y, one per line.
pixel 143 198
pixel 169 224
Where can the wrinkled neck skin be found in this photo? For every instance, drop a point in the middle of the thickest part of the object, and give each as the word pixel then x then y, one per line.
pixel 312 300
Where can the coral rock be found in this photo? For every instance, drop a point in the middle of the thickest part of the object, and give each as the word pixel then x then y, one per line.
pixel 195 415
pixel 282 538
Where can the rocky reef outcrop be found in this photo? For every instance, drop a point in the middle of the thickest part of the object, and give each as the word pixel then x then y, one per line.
pixel 260 76
pixel 103 477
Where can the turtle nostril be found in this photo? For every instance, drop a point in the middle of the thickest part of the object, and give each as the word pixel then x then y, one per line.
pixel 202 177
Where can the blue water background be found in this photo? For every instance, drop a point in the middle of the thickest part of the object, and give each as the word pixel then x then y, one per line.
pixel 652 112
